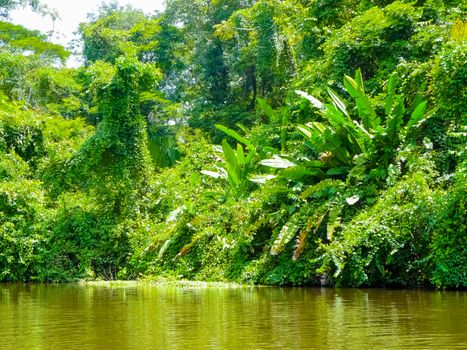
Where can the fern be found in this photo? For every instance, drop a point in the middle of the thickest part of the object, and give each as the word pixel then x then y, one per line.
pixel 321 186
pixel 288 232
pixel 301 240
pixel 163 249
pixel 334 221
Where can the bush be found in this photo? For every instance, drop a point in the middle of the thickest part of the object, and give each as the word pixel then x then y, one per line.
pixel 387 243
pixel 23 229
pixel 449 246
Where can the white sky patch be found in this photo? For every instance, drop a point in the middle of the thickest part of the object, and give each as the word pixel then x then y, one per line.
pixel 72 13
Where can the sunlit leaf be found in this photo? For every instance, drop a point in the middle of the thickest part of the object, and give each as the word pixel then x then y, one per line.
pixel 277 162
pixel 267 109
pixel 233 134
pixel 175 214
pixel 338 101
pixel 285 236
pixel 417 116
pixel 352 200
pixel 262 179
pixel 212 174
pixel 314 101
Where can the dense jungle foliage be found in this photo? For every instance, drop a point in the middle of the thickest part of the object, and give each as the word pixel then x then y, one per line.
pixel 282 142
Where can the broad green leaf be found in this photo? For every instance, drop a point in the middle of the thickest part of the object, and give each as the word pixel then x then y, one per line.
pixel 267 109
pixel 305 131
pixel 229 154
pixel 175 214
pixel 335 146
pixel 243 128
pixel 337 101
pixel 365 109
pixel 351 86
pixel 338 170
pixel 233 134
pixel 419 96
pixel 320 127
pixel 249 157
pixel 417 116
pixel 163 249
pixel 394 121
pixel 231 163
pixel 359 80
pixel 314 164
pixel 233 172
pixel 336 118
pixel 367 113
pixel 240 155
pixel 298 172
pixel 362 130
pixel 356 138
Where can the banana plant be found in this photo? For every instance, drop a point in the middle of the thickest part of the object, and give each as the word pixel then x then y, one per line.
pixel 346 140
pixel 366 139
pixel 237 163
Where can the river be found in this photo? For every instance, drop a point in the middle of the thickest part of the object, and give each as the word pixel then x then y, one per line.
pixel 141 316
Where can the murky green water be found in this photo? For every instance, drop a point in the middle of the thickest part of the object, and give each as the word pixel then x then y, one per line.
pixel 150 317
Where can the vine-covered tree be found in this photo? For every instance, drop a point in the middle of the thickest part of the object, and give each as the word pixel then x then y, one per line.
pixel 117 155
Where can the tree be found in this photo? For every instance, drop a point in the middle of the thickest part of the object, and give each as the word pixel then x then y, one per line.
pixel 207 71
pixel 115 161
pixel 7 5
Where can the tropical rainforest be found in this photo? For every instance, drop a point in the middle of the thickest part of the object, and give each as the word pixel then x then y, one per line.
pixel 276 142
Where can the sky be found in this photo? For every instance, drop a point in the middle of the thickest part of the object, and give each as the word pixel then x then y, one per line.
pixel 72 12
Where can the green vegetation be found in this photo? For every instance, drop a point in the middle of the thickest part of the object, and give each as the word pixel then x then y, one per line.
pixel 272 142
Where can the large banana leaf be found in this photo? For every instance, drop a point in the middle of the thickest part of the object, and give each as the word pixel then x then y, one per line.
pixel 366 111
pixel 338 103
pixel 335 117
pixel 229 153
pixel 267 109
pixel 335 146
pixel 240 155
pixel 417 116
pixel 234 134
pixel 231 163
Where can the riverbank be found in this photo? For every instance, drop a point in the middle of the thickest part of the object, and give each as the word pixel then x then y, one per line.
pixel 165 282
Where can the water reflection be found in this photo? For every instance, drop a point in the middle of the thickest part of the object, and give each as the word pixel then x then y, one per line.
pixel 149 317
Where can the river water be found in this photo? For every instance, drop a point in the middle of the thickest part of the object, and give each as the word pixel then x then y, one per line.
pixel 138 316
